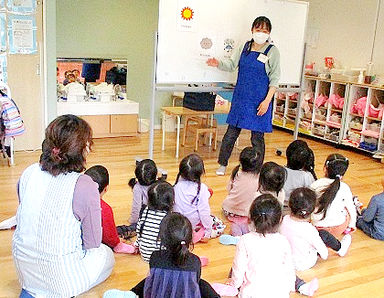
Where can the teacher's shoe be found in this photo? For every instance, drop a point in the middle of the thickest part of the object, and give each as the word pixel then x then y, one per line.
pixel 221 171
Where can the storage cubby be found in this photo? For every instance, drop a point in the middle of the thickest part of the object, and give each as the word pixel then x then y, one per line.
pixel 335 111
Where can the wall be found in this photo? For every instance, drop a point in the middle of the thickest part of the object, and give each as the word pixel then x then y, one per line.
pixel 378 54
pixel 26 84
pixel 118 28
pixel 345 29
pixel 50 55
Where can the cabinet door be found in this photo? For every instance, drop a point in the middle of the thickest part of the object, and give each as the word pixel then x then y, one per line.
pixel 124 124
pixel 100 124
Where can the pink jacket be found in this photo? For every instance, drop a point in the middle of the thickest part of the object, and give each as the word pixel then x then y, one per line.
pixel 241 193
pixel 263 265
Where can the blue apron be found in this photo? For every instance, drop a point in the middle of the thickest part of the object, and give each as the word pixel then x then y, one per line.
pixel 251 89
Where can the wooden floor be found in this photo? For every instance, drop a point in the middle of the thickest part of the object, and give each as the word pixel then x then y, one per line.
pixel 359 274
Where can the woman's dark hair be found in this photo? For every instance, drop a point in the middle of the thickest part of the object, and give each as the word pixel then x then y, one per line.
pixel 272 177
pixel 265 214
pixel 64 147
pixel 301 157
pixel 161 197
pixel 261 21
pixel 100 175
pixel 336 165
pixel 176 236
pixel 251 160
pixel 191 168
pixel 302 202
pixel 145 172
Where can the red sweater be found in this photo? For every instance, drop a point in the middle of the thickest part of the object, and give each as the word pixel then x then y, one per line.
pixel 110 236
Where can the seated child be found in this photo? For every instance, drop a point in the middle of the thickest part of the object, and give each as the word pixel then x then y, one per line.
pixel 100 175
pixel 242 188
pixel 271 181
pixel 174 271
pixel 335 210
pixel 300 167
pixel 263 261
pixel 145 176
pixel 160 202
pixel 371 221
pixel 305 240
pixel 192 197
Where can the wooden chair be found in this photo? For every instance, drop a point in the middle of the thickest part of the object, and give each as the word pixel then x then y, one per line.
pixel 200 127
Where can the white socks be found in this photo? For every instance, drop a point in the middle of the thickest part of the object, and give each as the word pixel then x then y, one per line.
pixel 345 243
pixel 221 171
pixel 309 288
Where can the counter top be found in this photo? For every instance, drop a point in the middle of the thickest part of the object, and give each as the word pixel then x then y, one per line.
pixel 98 108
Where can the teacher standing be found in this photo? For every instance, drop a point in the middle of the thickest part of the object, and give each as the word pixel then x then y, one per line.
pixel 258 62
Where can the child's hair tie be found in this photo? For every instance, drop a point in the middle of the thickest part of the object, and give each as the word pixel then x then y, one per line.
pixel 303 212
pixel 338 176
pixel 55 151
pixel 182 242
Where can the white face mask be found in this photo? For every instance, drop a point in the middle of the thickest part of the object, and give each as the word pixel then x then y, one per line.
pixel 260 37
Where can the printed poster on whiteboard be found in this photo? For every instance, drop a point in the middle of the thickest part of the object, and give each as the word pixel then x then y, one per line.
pixel 22 34
pixel 3 33
pixel 186 15
pixel 206 46
pixel 22 6
pixel 3 68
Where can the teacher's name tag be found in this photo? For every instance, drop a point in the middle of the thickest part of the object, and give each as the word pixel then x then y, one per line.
pixel 263 58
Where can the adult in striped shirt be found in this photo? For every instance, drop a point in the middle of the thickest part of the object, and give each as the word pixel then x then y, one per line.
pixel 57 245
pixel 161 197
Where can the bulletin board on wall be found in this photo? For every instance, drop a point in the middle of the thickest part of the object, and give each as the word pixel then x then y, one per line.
pixel 17 31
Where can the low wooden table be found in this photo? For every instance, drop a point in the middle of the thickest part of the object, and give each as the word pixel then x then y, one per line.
pixel 181 111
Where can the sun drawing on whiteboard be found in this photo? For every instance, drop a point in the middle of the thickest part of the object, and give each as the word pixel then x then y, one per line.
pixel 187 13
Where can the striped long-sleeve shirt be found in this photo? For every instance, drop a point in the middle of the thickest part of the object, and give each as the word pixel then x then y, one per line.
pixel 147 231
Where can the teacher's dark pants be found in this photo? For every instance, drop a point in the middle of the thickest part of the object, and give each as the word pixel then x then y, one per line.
pixel 229 140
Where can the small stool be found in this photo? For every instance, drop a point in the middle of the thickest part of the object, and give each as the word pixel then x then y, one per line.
pixel 200 127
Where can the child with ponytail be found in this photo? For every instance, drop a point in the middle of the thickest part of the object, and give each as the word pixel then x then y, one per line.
pixel 160 202
pixel 174 271
pixel 300 167
pixel 192 197
pixel 335 211
pixel 242 187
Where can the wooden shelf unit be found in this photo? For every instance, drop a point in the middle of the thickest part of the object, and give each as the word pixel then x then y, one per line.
pixel 334 124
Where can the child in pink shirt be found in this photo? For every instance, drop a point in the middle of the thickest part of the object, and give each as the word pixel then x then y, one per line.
pixel 242 188
pixel 263 262
pixel 303 237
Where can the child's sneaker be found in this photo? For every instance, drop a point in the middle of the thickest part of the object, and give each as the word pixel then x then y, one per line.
pixel 345 243
pixel 309 288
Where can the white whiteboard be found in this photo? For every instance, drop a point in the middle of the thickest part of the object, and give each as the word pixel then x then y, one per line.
pixel 185 45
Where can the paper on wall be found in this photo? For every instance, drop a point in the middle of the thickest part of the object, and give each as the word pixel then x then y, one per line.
pixel 3 33
pixel 22 34
pixel 3 68
pixel 22 6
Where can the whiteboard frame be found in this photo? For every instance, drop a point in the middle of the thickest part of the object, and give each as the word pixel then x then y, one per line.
pixel 175 88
